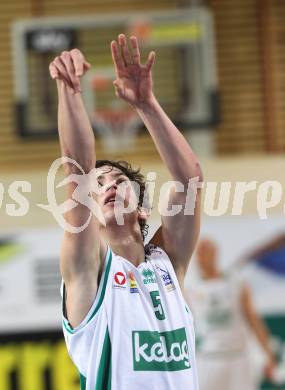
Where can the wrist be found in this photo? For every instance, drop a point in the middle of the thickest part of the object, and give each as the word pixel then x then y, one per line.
pixel 148 105
pixel 60 84
pixel 62 87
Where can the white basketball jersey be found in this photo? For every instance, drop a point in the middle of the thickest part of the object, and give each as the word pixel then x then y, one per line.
pixel 220 323
pixel 139 332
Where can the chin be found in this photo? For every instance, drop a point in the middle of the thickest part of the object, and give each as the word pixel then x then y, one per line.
pixel 110 217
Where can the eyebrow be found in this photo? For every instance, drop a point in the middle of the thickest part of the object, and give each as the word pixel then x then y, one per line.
pixel 115 175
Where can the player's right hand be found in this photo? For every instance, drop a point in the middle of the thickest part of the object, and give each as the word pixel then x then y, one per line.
pixel 68 67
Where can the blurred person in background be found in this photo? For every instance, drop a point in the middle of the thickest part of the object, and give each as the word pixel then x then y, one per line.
pixel 270 257
pixel 125 321
pixel 223 311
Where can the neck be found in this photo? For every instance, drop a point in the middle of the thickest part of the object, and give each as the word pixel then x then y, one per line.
pixel 126 241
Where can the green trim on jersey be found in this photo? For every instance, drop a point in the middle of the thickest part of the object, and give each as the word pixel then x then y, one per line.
pixel 82 382
pixel 109 261
pixel 101 298
pixel 104 376
pixel 67 327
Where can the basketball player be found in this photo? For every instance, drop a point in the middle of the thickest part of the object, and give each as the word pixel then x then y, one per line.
pixel 125 322
pixel 223 308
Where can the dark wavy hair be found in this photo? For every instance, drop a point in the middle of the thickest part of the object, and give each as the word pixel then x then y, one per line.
pixel 133 175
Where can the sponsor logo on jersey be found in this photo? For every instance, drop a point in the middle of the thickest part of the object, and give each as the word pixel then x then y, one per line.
pixel 166 278
pixel 148 276
pixel 119 280
pixel 133 283
pixel 165 351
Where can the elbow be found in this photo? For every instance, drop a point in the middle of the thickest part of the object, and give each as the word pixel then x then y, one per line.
pixel 186 171
pixel 195 172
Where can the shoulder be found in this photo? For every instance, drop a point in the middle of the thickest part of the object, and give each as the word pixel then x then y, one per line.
pixel 159 259
pixel 155 252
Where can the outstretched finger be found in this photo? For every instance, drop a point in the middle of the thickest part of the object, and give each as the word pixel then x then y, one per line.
pixel 150 61
pixel 118 88
pixel 135 50
pixel 117 57
pixel 125 50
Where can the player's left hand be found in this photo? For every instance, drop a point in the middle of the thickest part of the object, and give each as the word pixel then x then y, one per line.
pixel 133 80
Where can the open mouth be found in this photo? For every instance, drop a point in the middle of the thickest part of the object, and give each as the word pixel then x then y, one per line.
pixel 112 199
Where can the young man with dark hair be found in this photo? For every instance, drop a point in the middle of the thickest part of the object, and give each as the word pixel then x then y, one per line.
pixel 125 322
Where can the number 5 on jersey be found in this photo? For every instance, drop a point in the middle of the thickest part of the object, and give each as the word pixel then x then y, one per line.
pixel 158 309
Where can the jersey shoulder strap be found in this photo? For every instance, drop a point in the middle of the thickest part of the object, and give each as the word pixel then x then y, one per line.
pixel 97 304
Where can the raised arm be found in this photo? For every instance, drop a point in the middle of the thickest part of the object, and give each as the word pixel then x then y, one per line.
pixel 81 252
pixel 259 329
pixel 178 234
pixel 270 246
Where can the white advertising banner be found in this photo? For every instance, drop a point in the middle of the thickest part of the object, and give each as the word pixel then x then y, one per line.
pixel 30 280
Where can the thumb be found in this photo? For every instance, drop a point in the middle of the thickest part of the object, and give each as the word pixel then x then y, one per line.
pixel 87 65
pixel 150 61
pixel 118 88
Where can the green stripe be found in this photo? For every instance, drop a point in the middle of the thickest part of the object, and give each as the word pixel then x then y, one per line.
pixel 67 327
pixel 103 287
pixel 97 307
pixel 104 376
pixel 82 382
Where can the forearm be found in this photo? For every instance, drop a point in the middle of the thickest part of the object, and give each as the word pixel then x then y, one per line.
pixel 262 336
pixel 271 246
pixel 75 132
pixel 170 143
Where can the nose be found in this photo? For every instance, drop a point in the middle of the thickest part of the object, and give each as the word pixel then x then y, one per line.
pixel 112 185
